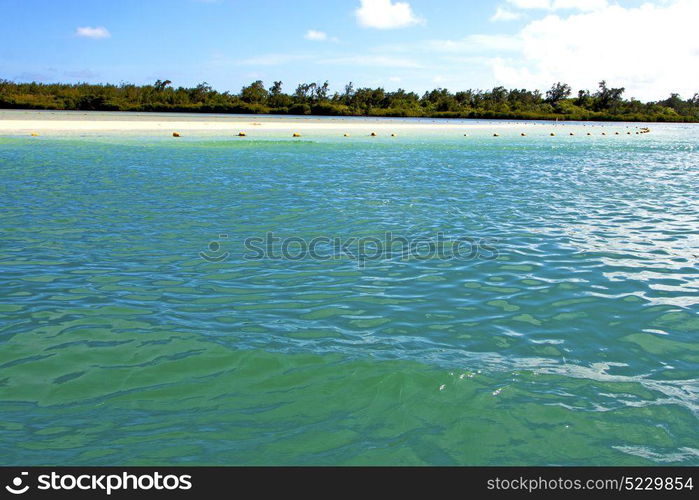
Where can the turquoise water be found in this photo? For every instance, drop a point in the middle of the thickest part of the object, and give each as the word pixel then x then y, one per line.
pixel 119 344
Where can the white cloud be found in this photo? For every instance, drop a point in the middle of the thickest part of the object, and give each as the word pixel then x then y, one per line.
pixel 318 36
pixel 89 32
pixel 372 60
pixel 583 5
pixel 531 4
pixel 384 14
pixel 504 14
pixel 651 50
pixel 475 44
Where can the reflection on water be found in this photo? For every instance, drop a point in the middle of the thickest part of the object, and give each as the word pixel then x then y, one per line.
pixel 120 344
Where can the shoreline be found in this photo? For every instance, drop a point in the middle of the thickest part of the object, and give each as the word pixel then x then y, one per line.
pixel 40 121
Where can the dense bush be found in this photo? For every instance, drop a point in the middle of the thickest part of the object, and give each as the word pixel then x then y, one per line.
pixel 606 104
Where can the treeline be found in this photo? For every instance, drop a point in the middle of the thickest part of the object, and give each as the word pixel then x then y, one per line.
pixel 606 103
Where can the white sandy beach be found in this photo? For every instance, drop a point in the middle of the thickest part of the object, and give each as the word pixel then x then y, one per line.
pixel 232 125
pixel 56 122
pixel 18 126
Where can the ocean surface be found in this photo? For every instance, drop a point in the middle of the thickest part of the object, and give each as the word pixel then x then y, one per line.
pixel 137 328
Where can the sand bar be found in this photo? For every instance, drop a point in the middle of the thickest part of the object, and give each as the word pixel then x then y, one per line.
pixel 22 122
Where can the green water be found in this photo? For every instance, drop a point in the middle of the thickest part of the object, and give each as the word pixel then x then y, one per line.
pixel 119 344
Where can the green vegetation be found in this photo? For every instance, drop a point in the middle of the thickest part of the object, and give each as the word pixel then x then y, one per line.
pixel 313 98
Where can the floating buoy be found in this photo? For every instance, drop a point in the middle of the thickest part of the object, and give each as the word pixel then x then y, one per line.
pixel 296 134
pixel 373 134
pixel 175 134
pixel 34 134
pixel 241 134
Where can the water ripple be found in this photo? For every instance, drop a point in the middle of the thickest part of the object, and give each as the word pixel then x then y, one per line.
pixel 576 345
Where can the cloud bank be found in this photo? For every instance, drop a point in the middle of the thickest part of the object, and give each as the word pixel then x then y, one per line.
pixel 645 49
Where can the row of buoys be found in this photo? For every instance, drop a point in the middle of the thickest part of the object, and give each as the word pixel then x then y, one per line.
pixel 553 134
pixel 296 134
pixel 644 130
pixel 243 134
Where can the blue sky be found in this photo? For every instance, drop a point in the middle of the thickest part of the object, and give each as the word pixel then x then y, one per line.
pixel 648 46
